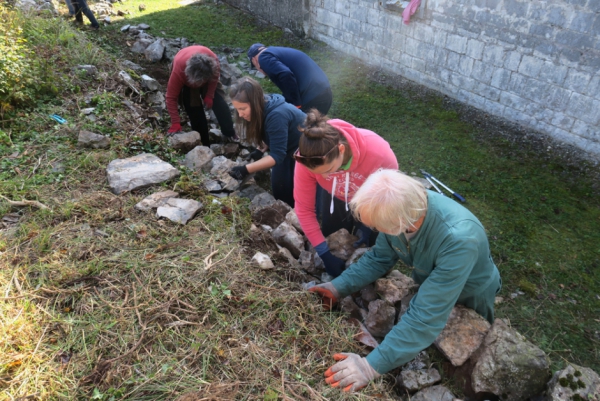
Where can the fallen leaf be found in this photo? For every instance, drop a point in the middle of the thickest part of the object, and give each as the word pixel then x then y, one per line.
pixel 552 296
pixel 67 309
pixel 141 234
pixel 149 256
pixel 226 210
pixel 13 364
pixel 363 336
pixel 562 286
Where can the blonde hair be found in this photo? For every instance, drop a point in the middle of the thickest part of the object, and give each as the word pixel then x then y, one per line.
pixel 392 201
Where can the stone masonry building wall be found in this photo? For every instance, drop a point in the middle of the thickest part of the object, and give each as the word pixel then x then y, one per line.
pixel 536 63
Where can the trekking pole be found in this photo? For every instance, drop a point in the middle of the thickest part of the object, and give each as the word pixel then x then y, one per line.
pixel 456 194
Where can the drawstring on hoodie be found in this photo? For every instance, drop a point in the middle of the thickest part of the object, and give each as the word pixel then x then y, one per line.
pixel 347 186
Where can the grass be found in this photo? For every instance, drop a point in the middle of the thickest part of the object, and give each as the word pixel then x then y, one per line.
pixel 99 301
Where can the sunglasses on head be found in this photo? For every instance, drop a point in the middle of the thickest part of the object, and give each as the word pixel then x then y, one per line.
pixel 299 157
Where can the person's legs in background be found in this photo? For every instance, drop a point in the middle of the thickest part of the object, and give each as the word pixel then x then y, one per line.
pixel 223 114
pixel 82 7
pixel 282 180
pixel 195 111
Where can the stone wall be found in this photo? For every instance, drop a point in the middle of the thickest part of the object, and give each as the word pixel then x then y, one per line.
pixel 534 63
pixel 291 14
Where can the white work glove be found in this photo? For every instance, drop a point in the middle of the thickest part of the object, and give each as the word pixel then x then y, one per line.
pixel 351 373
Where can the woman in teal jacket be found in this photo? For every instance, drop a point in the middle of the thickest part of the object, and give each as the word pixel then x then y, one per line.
pixel 448 251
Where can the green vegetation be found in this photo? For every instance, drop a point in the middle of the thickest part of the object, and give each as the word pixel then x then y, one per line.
pixel 100 301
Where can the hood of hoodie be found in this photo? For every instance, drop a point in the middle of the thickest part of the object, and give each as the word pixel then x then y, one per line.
pixel 355 140
pixel 272 102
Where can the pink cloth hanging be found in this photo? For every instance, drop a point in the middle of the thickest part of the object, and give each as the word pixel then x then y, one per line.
pixel 410 10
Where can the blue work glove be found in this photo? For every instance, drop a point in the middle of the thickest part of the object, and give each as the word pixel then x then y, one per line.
pixel 365 235
pixel 334 266
pixel 239 172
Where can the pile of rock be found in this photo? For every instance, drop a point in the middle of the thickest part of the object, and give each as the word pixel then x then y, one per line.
pixel 38 5
pixel 491 361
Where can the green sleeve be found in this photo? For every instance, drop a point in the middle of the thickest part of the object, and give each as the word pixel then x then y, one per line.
pixel 430 307
pixel 372 265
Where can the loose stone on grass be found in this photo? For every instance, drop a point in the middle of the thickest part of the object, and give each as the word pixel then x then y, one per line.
pixel 574 383
pixel 263 261
pixel 87 139
pixel 137 172
pixel 149 83
pixel 179 210
pixel 155 200
pixel 197 159
pixel 434 393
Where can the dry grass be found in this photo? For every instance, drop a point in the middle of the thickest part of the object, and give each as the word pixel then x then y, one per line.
pixel 114 304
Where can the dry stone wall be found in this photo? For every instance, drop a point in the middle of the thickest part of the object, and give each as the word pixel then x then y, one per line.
pixel 534 63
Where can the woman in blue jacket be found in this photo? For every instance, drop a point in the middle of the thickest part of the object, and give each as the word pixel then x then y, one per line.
pixel 270 124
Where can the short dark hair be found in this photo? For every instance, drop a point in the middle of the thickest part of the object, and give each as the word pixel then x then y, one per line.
pixel 200 68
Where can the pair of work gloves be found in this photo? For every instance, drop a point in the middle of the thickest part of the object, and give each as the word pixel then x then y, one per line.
pixel 352 372
pixel 334 266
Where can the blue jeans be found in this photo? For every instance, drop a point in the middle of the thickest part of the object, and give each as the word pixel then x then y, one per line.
pixel 76 7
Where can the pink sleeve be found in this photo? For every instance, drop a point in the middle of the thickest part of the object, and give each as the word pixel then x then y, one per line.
pixel 173 89
pixel 305 196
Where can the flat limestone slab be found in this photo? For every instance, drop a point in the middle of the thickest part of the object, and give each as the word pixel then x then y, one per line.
pixel 137 172
pixel 179 210
pixel 155 200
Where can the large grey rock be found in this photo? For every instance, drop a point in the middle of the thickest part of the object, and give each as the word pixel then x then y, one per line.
pixel 368 294
pixel 434 393
pixel 249 191
pixel 155 200
pixel 261 200
pixel 307 261
pixel 286 236
pixel 263 261
pixel 87 139
pixel 199 158
pixel 463 334
pixel 221 165
pixel 388 290
pixel 179 210
pixel 380 319
pixel 340 244
pixel 149 83
pixel 215 134
pixel 414 380
pixel 574 380
pixel 137 172
pixel 288 255
pixel 217 148
pixel 228 182
pixel 348 306
pixel 131 65
pixel 155 51
pixel 141 45
pixel 356 255
pixel 292 220
pixel 188 141
pixel 272 214
pixel 212 186
pixel 231 149
pixel 509 365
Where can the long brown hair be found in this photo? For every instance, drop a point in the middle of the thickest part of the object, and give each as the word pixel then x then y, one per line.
pixel 319 139
pixel 247 90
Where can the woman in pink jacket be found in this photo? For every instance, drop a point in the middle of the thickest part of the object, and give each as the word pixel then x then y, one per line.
pixel 338 157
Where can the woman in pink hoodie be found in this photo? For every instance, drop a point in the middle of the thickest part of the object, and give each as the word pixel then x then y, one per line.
pixel 338 157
